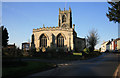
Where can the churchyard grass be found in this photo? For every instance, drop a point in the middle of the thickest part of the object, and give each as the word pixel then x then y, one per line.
pixel 25 69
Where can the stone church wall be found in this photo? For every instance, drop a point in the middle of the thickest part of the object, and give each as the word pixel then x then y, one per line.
pixel 67 34
pixel 64 33
pixel 80 44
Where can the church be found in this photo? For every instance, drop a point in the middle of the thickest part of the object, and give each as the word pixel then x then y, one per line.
pixel 62 36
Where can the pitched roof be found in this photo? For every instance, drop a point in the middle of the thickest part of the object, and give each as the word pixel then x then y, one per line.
pixel 108 43
pixel 117 39
pixel 104 42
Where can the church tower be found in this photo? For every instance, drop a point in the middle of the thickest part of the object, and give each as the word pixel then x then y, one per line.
pixel 65 18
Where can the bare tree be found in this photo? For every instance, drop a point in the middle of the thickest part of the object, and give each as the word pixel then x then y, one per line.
pixel 92 39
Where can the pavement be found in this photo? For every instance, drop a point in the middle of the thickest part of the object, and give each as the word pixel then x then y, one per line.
pixel 103 66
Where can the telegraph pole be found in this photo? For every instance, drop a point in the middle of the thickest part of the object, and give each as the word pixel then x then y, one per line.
pixel 119 20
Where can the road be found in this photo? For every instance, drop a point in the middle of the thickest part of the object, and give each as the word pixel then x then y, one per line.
pixel 104 65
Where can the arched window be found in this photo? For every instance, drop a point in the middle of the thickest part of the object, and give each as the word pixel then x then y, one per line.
pixel 63 18
pixel 43 41
pixel 60 41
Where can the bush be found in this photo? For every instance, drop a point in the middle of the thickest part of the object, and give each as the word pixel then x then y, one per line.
pixel 86 50
pixel 51 50
pixel 32 52
pixel 11 52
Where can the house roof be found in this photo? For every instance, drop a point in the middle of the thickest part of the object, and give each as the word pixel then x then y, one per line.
pixel 108 43
pixel 80 38
pixel 11 46
pixel 26 43
pixel 104 42
pixel 117 39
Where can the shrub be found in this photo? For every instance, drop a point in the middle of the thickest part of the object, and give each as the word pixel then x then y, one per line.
pixel 86 50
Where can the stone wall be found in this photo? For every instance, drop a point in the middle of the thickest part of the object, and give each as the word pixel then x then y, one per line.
pixel 49 31
pixel 80 44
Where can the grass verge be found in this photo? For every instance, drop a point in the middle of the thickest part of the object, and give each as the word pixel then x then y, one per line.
pixel 28 68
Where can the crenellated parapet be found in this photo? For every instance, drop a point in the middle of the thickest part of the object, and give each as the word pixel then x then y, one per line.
pixel 64 11
pixel 65 18
pixel 52 29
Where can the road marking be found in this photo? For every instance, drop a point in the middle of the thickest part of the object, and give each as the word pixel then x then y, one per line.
pixel 115 75
pixel 59 65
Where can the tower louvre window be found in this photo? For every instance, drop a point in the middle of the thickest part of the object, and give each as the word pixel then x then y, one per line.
pixel 63 18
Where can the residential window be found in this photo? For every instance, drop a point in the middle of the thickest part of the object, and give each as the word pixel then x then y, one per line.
pixel 115 42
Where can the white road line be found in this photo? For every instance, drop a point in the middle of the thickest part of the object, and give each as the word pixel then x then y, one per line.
pixel 115 75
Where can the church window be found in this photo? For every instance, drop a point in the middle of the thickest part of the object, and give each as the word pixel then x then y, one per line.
pixel 63 18
pixel 60 41
pixel 32 39
pixel 43 41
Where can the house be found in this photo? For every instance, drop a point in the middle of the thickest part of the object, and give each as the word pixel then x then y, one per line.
pixel 108 46
pixel 25 46
pixel 118 44
pixel 9 49
pixel 103 46
pixel 112 45
pixel 115 44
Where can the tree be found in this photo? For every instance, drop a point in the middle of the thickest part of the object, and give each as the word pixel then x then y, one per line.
pixel 4 37
pixel 19 52
pixel 114 12
pixel 92 40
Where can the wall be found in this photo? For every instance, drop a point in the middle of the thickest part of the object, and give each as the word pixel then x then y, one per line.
pixel 108 47
pixel 118 45
pixel 67 33
pixel 103 47
pixel 80 44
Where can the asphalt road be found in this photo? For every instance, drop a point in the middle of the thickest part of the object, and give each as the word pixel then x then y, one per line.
pixel 104 65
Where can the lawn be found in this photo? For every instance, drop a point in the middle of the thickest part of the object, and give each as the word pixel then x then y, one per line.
pixel 66 56
pixel 25 69
pixel 14 67
pixel 80 54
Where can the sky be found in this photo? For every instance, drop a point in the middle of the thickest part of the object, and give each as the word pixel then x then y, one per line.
pixel 20 18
